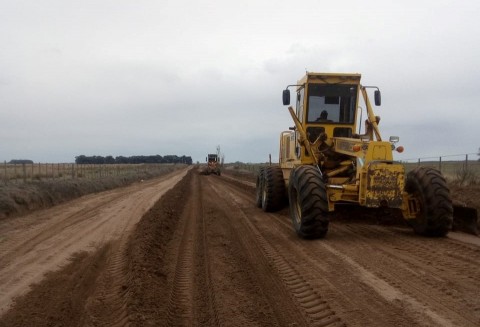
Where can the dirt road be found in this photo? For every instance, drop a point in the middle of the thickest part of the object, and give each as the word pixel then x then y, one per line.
pixel 205 255
pixel 40 242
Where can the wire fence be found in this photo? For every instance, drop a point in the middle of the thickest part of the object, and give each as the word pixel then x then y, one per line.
pixel 27 172
pixel 458 166
pixel 453 167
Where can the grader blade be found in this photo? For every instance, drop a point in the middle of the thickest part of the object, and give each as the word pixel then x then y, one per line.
pixel 465 219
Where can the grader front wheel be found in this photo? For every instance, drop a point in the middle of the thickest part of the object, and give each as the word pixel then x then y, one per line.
pixel 435 216
pixel 308 202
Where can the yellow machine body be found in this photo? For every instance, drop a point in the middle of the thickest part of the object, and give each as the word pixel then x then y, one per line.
pixel 213 164
pixel 357 168
pixel 327 160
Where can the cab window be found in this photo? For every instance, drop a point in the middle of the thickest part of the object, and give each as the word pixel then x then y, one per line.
pixel 331 103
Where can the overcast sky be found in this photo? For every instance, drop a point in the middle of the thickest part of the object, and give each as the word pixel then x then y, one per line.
pixel 119 77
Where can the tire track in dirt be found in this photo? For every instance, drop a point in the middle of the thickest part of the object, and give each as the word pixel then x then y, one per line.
pixel 408 287
pixel 189 302
pixel 107 305
pixel 310 298
pixel 431 278
pixel 209 311
pixel 244 281
pixel 349 255
pixel 315 309
pixel 180 303
pixel 277 230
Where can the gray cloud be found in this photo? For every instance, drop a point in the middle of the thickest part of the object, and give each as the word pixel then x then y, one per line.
pixel 181 77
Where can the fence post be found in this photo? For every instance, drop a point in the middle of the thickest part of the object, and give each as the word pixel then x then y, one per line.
pixel 466 162
pixel 418 162
pixel 24 168
pixel 5 170
pixel 440 164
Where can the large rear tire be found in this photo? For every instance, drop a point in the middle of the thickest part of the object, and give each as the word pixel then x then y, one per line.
pixel 259 188
pixel 274 193
pixel 308 202
pixel 435 216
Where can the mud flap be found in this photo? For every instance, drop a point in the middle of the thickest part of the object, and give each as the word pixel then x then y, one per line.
pixel 465 219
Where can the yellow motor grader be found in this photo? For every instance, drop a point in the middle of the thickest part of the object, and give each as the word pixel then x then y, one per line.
pixel 326 161
pixel 213 165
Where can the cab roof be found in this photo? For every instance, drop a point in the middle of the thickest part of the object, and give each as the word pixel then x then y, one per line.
pixel 330 78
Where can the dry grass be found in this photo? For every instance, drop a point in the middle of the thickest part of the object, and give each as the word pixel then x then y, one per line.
pixel 17 199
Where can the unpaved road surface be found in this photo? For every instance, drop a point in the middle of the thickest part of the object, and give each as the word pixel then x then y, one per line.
pixel 204 255
pixel 40 242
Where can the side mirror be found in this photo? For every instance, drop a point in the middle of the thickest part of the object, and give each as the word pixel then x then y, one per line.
pixel 286 97
pixel 378 98
pixel 394 139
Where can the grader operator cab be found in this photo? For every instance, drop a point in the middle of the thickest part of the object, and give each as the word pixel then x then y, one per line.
pixel 326 161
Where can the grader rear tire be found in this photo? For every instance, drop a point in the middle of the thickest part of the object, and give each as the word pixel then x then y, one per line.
pixel 308 202
pixel 259 188
pixel 273 189
pixel 435 217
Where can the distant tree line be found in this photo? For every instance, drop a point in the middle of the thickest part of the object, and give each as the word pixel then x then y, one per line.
pixel 82 159
pixel 20 161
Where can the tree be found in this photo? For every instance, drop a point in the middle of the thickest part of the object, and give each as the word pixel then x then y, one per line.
pixel 20 161
pixel 109 160
pixel 82 159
